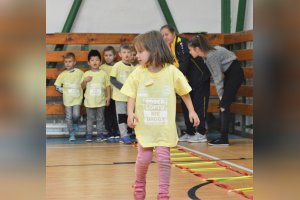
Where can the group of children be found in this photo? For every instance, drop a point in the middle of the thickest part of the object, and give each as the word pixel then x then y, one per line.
pixel 102 98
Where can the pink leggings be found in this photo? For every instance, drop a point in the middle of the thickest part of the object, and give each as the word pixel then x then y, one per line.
pixel 143 160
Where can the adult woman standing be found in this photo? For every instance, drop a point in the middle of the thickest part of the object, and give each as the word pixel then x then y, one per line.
pixel 227 74
pixel 198 77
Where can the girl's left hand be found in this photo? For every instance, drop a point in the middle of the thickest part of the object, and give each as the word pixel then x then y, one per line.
pixel 194 119
pixel 132 120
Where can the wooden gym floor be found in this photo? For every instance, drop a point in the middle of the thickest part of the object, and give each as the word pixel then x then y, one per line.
pixel 106 171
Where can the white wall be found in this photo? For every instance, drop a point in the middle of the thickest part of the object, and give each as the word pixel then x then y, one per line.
pixel 138 16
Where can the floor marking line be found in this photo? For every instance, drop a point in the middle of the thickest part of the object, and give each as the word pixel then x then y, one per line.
pixel 215 158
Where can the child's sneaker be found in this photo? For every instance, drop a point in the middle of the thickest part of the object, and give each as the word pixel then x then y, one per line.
pixel 101 137
pixel 72 137
pixel 111 139
pixel 89 138
pixel 117 138
pixel 126 139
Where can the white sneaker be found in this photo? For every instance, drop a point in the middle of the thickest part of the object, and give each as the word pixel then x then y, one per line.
pixel 184 138
pixel 197 138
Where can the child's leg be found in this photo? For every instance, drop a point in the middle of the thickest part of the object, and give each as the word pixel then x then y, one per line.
pixel 115 127
pixel 68 111
pixel 107 119
pixel 76 116
pixel 113 116
pixel 101 131
pixel 121 110
pixel 143 160
pixel 164 171
pixel 90 112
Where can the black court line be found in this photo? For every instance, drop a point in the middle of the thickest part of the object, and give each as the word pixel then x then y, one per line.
pixel 95 164
pixel 192 191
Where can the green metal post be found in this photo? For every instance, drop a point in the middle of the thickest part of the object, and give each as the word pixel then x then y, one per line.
pixel 67 26
pixel 241 16
pixel 167 13
pixel 240 22
pixel 72 15
pixel 226 18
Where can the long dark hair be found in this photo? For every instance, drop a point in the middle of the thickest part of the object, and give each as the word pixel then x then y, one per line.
pixel 153 42
pixel 201 42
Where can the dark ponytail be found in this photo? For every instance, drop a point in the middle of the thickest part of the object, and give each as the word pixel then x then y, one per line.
pixel 201 42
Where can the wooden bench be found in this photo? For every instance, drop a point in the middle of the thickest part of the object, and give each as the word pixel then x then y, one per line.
pixel 227 40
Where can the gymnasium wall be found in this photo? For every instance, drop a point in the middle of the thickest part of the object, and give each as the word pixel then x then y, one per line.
pixel 138 16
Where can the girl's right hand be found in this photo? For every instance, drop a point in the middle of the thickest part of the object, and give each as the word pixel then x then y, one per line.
pixel 132 120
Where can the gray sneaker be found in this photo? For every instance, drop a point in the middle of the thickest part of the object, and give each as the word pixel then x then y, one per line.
pixel 197 138
pixel 184 138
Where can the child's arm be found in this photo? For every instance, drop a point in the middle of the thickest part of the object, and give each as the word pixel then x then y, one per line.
pixel 116 83
pixel 108 95
pixel 59 83
pixel 59 88
pixel 192 114
pixel 132 119
pixel 85 81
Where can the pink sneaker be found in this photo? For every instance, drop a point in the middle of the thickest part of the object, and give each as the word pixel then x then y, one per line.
pixel 139 191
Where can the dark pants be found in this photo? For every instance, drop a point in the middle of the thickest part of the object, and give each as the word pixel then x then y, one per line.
pixel 200 97
pixel 234 77
pixel 110 119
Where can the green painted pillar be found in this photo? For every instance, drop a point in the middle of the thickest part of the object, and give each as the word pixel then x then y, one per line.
pixel 241 16
pixel 167 13
pixel 225 16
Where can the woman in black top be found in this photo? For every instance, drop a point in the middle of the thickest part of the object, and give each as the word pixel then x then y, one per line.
pixel 198 77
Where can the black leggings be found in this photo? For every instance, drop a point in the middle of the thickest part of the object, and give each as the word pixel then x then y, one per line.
pixel 234 77
pixel 199 97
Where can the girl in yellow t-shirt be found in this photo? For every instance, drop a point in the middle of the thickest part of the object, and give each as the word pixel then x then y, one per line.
pixel 151 89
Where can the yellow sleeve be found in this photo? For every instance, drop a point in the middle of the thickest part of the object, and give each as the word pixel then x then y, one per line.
pixel 114 71
pixel 181 85
pixel 60 80
pixel 130 86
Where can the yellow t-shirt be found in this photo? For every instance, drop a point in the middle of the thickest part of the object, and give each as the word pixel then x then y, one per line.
pixel 107 68
pixel 155 107
pixel 121 72
pixel 70 81
pixel 95 92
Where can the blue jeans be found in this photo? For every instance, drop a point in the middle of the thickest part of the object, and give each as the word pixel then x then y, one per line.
pixel 72 116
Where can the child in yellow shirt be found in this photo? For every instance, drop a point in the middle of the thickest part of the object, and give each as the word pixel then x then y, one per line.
pixel 133 60
pixel 151 89
pixel 110 117
pixel 97 96
pixel 118 76
pixel 68 83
